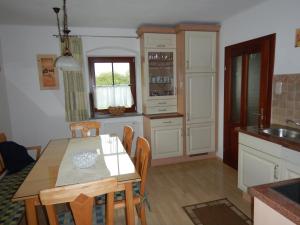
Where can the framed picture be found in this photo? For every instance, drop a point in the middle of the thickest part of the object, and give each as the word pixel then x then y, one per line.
pixel 48 74
pixel 297 40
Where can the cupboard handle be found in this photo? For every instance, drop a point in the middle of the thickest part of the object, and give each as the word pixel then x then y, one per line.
pixel 162 103
pixel 167 121
pixel 188 132
pixel 162 110
pixel 161 46
pixel 187 64
pixel 181 130
pixel 276 172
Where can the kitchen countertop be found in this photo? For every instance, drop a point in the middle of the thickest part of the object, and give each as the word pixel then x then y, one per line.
pixel 256 132
pixel 276 201
pixel 163 115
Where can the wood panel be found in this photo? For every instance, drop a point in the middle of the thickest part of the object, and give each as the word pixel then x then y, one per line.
pixel 197 27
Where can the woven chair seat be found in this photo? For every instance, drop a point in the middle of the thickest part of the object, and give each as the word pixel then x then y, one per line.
pixel 11 212
pixel 120 195
pixel 66 218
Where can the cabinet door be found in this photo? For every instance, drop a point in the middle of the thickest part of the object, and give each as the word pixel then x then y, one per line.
pixel 291 171
pixel 200 102
pixel 160 73
pixel 256 168
pixel 166 141
pixel 200 138
pixel 200 51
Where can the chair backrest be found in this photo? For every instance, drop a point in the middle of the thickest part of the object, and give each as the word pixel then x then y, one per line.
pixel 85 128
pixel 81 199
pixel 127 138
pixel 2 166
pixel 142 163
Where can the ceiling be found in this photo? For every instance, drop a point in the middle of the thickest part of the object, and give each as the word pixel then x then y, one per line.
pixel 121 13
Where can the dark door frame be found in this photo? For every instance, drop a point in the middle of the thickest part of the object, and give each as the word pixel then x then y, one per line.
pixel 266 46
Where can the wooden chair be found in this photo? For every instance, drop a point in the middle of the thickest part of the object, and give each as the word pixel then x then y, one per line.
pixel 143 157
pixel 3 139
pixel 127 139
pixel 81 200
pixel 85 128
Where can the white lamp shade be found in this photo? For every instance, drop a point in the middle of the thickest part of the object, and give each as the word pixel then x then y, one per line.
pixel 67 63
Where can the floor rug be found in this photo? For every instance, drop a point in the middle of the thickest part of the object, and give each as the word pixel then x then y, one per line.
pixel 218 212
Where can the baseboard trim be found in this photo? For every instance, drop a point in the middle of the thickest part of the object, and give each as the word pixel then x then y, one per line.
pixel 181 159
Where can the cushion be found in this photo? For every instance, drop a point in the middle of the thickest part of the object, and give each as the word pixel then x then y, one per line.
pixel 15 156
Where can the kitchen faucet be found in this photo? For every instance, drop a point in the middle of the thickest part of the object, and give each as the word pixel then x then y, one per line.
pixel 292 121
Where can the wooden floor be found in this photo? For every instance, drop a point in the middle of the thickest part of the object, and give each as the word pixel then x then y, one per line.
pixel 171 187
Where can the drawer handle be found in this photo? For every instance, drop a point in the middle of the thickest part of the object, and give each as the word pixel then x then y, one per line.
pixel 167 121
pixel 276 172
pixel 161 46
pixel 162 103
pixel 162 110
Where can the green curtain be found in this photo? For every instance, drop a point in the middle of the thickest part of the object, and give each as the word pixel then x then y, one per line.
pixel 75 95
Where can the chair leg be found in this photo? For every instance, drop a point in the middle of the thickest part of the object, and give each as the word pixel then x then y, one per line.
pixel 110 209
pixel 143 214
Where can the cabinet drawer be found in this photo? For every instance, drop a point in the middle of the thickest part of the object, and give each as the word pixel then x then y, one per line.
pixel 260 144
pixel 158 103
pixel 160 109
pixel 152 40
pixel 167 122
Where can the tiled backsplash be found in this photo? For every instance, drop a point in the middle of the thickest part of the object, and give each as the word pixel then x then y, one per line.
pixel 287 104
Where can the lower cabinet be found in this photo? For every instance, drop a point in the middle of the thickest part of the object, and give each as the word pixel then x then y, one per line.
pixel 199 138
pixel 256 167
pixel 263 162
pixel 165 136
pixel 291 166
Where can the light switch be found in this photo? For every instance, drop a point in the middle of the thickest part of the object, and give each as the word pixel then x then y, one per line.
pixel 278 87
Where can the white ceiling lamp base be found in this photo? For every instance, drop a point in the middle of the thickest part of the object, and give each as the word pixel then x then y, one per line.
pixel 66 62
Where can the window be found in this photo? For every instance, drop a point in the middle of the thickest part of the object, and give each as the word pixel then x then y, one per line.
pixel 112 83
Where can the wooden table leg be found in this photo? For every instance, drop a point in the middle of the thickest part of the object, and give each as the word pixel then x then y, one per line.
pixel 31 215
pixel 129 204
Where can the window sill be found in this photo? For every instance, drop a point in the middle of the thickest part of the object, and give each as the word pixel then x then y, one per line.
pixel 107 116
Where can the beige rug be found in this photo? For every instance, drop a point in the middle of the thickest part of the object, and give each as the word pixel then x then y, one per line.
pixel 218 212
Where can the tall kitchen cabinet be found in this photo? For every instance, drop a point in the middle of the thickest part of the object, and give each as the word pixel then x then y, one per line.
pixel 162 123
pixel 197 83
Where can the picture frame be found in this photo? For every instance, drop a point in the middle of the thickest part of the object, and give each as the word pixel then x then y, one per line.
pixel 48 74
pixel 297 38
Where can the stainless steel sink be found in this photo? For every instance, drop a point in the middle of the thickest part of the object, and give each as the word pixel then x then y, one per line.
pixel 283 133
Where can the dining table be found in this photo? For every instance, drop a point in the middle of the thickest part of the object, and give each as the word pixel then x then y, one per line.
pixel 56 168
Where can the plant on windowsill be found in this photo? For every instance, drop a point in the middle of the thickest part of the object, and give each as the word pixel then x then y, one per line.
pixel 116 110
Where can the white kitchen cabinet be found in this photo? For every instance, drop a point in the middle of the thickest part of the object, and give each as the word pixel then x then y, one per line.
pixel 165 136
pixel 256 167
pixel 200 81
pixel 159 73
pixel 200 138
pixel 200 50
pixel 200 97
pixel 261 162
pixel 291 165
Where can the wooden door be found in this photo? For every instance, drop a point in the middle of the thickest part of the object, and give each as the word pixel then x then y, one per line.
pixel 247 91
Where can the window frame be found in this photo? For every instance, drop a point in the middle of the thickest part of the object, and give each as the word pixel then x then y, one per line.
pixel 92 81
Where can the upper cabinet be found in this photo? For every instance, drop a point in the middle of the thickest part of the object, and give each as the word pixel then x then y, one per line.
pixel 153 40
pixel 159 73
pixel 200 51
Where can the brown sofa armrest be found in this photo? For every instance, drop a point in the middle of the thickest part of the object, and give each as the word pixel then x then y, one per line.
pixel 37 149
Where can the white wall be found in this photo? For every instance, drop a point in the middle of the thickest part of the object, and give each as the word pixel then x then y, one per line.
pixel 4 110
pixel 38 116
pixel 273 16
